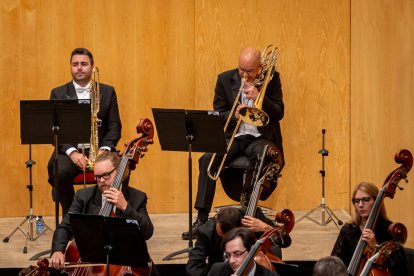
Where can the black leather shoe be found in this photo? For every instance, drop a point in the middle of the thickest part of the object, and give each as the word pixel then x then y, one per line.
pixel 194 228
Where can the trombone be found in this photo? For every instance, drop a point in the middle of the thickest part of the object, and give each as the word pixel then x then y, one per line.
pixel 250 115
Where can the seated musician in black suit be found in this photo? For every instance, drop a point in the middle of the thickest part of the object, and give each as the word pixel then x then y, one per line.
pixel 70 157
pixel 128 202
pixel 249 140
pixel 236 245
pixel 208 250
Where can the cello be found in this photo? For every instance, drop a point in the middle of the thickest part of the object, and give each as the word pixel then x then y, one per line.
pixel 279 235
pixel 247 263
pixel 381 255
pixel 363 252
pixel 135 150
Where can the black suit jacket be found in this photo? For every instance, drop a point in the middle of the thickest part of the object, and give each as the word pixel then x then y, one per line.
pixel 89 201
pixel 224 269
pixel 110 131
pixel 227 88
pixel 207 247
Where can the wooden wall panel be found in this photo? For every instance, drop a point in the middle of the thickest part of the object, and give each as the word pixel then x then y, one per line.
pixel 144 49
pixel 382 97
pixel 18 62
pixel 167 54
pixel 314 42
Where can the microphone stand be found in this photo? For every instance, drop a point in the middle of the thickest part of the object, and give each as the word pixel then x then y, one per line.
pixel 325 209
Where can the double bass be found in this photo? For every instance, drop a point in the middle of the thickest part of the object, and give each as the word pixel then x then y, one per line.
pixel 134 150
pixel 279 235
pixel 363 252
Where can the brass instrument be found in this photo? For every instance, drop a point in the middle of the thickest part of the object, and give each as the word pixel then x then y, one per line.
pixel 236 101
pixel 95 121
pixel 250 115
pixel 255 115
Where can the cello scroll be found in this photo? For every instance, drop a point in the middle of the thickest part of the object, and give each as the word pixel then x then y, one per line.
pixel 286 220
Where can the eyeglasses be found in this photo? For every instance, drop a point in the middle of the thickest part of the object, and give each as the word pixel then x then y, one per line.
pixel 247 71
pixel 235 254
pixel 363 200
pixel 105 176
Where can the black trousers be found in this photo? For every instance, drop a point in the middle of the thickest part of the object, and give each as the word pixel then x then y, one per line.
pixel 247 145
pixel 67 171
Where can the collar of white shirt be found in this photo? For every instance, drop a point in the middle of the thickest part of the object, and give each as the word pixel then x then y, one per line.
pixel 81 89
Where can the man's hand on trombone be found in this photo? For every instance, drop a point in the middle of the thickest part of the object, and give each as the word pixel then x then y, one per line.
pixel 250 91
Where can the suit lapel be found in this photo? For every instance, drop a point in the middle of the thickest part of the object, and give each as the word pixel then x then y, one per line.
pixel 235 84
pixel 96 201
pixel 70 92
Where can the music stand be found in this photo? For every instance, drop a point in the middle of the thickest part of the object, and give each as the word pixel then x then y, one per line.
pixel 109 240
pixel 54 122
pixel 189 131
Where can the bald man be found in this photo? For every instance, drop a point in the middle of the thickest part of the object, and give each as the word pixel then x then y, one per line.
pixel 249 140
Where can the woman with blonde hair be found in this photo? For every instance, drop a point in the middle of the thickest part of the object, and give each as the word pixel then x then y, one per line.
pixel 363 198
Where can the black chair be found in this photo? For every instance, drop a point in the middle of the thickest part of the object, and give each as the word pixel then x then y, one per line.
pixel 233 177
pixel 86 178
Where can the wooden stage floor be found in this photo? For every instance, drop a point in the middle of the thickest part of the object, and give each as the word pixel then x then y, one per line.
pixel 310 241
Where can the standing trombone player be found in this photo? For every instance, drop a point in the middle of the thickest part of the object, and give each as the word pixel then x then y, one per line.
pixel 250 101
pixel 105 121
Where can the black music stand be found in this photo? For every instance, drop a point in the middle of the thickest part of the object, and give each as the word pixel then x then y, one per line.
pixel 54 122
pixel 189 131
pixel 110 240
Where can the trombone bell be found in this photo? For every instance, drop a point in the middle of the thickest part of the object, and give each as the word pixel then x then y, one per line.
pixel 254 116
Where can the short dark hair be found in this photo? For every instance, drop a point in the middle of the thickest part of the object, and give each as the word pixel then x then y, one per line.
pixel 328 266
pixel 245 234
pixel 82 51
pixel 228 218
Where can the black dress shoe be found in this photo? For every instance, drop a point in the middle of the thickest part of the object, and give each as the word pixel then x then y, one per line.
pixel 194 228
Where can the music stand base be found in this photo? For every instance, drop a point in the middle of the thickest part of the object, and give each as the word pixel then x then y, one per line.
pixel 30 220
pixel 170 256
pixel 324 209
